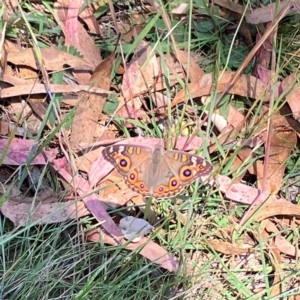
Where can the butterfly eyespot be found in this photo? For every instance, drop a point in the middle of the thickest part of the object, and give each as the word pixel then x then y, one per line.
pixel 187 172
pixel 174 182
pixel 132 177
pixel 142 187
pixel 123 163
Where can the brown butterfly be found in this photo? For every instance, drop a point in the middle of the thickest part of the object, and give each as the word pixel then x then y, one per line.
pixel 156 173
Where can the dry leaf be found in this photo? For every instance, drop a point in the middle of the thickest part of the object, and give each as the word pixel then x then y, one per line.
pixel 146 248
pixel 246 85
pixel 17 152
pixel 289 85
pixel 53 59
pixel 134 229
pixel 42 209
pixel 267 13
pixel 90 107
pixel 263 59
pixel 277 207
pixel 228 248
pixel 282 144
pixel 29 89
pixel 141 72
pixel 74 32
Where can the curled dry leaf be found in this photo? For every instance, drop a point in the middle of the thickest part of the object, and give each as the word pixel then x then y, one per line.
pixel 277 207
pixel 134 229
pixel 280 243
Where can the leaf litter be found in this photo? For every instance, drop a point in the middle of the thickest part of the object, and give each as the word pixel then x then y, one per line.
pixel 144 81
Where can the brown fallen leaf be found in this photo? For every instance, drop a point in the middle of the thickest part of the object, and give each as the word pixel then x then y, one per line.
pixel 277 207
pixel 263 59
pixel 235 118
pixel 188 62
pixel 280 243
pixel 228 248
pixel 4 127
pixel 28 89
pixel 267 13
pixel 239 192
pixel 88 17
pixel 16 152
pixel 139 78
pixel 146 248
pixel 246 85
pixel 131 33
pixel 99 212
pixel 282 144
pixel 45 208
pixel 66 15
pixel 232 6
pixel 53 59
pixel 289 85
pixel 284 246
pixel 28 74
pixel 277 287
pixel 90 107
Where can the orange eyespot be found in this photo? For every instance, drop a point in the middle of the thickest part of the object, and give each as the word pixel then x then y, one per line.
pixel 132 177
pixel 124 163
pixel 173 183
pixel 142 187
pixel 161 190
pixel 186 172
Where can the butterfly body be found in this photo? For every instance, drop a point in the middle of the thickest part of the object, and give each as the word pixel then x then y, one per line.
pixel 156 173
